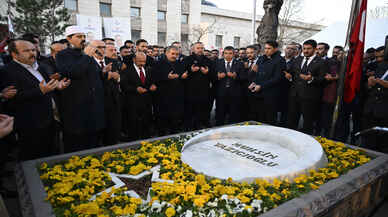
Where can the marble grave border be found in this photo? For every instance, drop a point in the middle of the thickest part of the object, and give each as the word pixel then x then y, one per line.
pixel 354 194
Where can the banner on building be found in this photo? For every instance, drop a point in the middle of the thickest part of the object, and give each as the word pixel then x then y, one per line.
pixel 118 28
pixel 92 26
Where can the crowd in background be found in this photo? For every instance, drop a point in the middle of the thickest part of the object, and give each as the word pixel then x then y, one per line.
pixel 88 94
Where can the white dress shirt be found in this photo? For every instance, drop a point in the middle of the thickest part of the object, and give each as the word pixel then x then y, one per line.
pixel 33 70
pixel 138 70
pixel 226 64
pixel 308 63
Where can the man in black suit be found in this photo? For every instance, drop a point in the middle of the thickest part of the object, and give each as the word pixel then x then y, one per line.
pixel 290 53
pixel 33 104
pixel 247 77
pixel 306 76
pixel 111 92
pixel 137 85
pixel 267 83
pixel 167 75
pixel 198 74
pixel 228 93
pixel 83 101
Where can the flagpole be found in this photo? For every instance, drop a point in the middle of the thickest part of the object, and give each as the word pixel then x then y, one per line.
pixel 343 68
pixel 253 23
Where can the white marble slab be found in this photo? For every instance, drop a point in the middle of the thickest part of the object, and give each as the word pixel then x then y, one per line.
pixel 245 153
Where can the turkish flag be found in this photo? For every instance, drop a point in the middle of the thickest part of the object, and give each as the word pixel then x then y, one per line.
pixel 356 52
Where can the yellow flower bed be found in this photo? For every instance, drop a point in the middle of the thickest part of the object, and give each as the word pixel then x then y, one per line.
pixel 71 184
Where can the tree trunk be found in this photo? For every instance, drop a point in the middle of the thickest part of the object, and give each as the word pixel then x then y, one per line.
pixel 268 28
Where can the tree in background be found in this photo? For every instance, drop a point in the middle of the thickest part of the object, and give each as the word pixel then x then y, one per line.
pixel 46 18
pixel 268 28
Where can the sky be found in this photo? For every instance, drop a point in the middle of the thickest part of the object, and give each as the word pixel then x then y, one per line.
pixel 324 12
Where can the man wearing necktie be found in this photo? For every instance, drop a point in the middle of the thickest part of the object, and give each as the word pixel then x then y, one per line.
pixel 307 78
pixel 247 77
pixel 228 94
pixel 137 85
pixel 112 112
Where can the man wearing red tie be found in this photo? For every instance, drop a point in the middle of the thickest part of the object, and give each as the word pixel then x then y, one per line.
pixel 137 85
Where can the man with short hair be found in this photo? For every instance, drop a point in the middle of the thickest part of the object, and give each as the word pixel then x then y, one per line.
pixel 137 85
pixel 248 101
pixel 33 105
pixel 167 75
pixel 178 45
pixel 228 88
pixel 106 55
pixel 215 54
pixel 109 41
pixel 34 39
pixel 124 51
pixel 336 51
pixel 290 53
pixel 267 83
pixel 111 51
pixel 242 56
pixel 198 75
pixel 306 76
pixel 322 50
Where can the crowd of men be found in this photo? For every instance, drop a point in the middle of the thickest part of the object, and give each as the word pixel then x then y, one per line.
pixel 90 94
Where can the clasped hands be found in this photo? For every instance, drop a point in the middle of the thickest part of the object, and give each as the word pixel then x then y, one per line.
pixel 143 90
pixel 222 75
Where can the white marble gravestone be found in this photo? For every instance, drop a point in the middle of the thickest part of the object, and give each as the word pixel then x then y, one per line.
pixel 245 153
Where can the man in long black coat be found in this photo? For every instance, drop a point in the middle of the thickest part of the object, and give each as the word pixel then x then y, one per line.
pixel 137 85
pixel 199 72
pixel 83 101
pixel 167 74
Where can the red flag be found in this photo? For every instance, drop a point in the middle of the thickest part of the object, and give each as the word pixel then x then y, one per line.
pixel 356 52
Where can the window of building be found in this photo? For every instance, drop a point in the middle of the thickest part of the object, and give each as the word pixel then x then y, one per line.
pixel 161 15
pixel 219 41
pixel 185 38
pixel 135 35
pixel 236 42
pixel 185 19
pixel 71 5
pixel 135 12
pixel 162 37
pixel 105 9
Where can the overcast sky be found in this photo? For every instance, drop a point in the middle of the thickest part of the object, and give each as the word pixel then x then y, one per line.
pixel 324 11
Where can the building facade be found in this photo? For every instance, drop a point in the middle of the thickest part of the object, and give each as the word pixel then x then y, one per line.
pixel 161 22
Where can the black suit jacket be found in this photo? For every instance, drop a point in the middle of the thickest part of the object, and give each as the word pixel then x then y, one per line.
pixel 235 85
pixel 83 100
pixel 136 102
pixel 30 107
pixel 197 85
pixel 304 89
pixel 111 87
pixel 170 92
